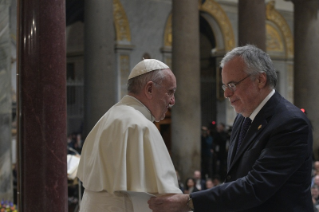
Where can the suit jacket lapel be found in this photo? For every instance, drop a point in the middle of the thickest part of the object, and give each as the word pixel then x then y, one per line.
pixel 256 127
pixel 259 123
pixel 234 138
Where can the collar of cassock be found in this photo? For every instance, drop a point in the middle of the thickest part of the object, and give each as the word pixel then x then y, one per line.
pixel 135 103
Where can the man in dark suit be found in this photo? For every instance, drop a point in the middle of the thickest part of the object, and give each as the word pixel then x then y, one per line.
pixel 269 168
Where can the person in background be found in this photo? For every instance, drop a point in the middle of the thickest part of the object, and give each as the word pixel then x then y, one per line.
pixel 216 181
pixel 206 153
pixel 125 153
pixel 270 154
pixel 209 183
pixel 180 184
pixel 199 182
pixel 190 186
pixel 315 197
pixel 220 139
pixel 316 167
pixel 78 143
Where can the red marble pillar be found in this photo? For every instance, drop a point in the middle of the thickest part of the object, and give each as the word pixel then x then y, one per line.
pixel 42 106
pixel 252 23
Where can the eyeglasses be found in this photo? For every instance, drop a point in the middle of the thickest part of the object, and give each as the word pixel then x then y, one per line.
pixel 232 85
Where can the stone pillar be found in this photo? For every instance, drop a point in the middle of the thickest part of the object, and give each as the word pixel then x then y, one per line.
pixel 100 81
pixel 186 121
pixel 252 23
pixel 42 135
pixel 306 63
pixel 6 190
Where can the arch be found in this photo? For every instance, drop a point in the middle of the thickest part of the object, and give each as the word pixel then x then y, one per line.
pixel 273 16
pixel 122 27
pixel 216 11
pixel 274 40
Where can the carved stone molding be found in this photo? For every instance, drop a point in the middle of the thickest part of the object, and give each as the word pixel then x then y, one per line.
pixel 274 40
pixel 274 16
pixel 216 11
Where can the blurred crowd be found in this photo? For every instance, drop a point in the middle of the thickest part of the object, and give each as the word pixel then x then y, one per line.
pixel 214 150
pixel 74 143
pixel 74 147
pixel 197 183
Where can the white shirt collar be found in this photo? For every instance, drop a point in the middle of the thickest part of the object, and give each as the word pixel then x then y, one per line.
pixel 256 111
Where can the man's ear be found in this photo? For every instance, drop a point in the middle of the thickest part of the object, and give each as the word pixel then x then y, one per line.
pixel 148 89
pixel 262 80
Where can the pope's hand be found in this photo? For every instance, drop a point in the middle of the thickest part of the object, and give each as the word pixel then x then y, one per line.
pixel 169 203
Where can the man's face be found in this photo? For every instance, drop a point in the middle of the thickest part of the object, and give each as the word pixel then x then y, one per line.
pixel 197 175
pixel 164 95
pixel 314 192
pixel 245 98
pixel 204 131
pixel 220 128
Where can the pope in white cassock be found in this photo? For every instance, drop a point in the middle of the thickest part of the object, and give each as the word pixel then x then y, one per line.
pixel 124 155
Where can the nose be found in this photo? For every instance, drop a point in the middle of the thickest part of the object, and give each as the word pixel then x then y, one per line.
pixel 228 92
pixel 172 101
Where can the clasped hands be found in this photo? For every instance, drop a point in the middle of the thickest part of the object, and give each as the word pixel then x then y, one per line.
pixel 169 203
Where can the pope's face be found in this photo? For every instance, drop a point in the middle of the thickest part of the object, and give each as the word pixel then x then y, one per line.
pixel 163 96
pixel 245 98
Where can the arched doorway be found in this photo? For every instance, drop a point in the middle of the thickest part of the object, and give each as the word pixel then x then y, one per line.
pixel 207 73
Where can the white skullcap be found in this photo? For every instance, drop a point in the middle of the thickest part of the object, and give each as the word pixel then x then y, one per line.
pixel 145 66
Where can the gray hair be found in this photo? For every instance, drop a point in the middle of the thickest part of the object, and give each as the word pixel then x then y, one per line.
pixel 136 84
pixel 256 60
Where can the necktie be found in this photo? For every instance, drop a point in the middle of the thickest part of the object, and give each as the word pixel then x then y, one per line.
pixel 243 131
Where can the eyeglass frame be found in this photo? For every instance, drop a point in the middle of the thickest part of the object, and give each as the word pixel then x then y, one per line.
pixel 232 85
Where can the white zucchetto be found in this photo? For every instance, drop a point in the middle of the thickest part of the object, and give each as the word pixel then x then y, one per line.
pixel 145 66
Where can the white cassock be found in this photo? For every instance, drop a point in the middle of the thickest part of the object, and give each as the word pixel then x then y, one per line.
pixel 124 152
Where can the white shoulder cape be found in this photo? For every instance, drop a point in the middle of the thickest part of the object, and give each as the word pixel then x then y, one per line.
pixel 125 152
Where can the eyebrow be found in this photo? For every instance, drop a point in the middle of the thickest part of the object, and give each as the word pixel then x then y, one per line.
pixel 229 83
pixel 172 90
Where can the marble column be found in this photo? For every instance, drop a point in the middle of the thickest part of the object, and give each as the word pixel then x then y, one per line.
pixel 42 106
pixel 306 63
pixel 252 23
pixel 186 114
pixel 100 81
pixel 6 190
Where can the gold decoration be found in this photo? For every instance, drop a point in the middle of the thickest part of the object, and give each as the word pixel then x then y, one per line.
pixel 168 61
pixel 274 41
pixel 122 27
pixel 215 10
pixel 259 127
pixel 274 16
pixel 168 36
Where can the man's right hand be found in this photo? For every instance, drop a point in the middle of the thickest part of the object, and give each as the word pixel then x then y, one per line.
pixel 169 203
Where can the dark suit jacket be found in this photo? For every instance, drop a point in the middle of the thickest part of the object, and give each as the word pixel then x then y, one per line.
pixel 272 169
